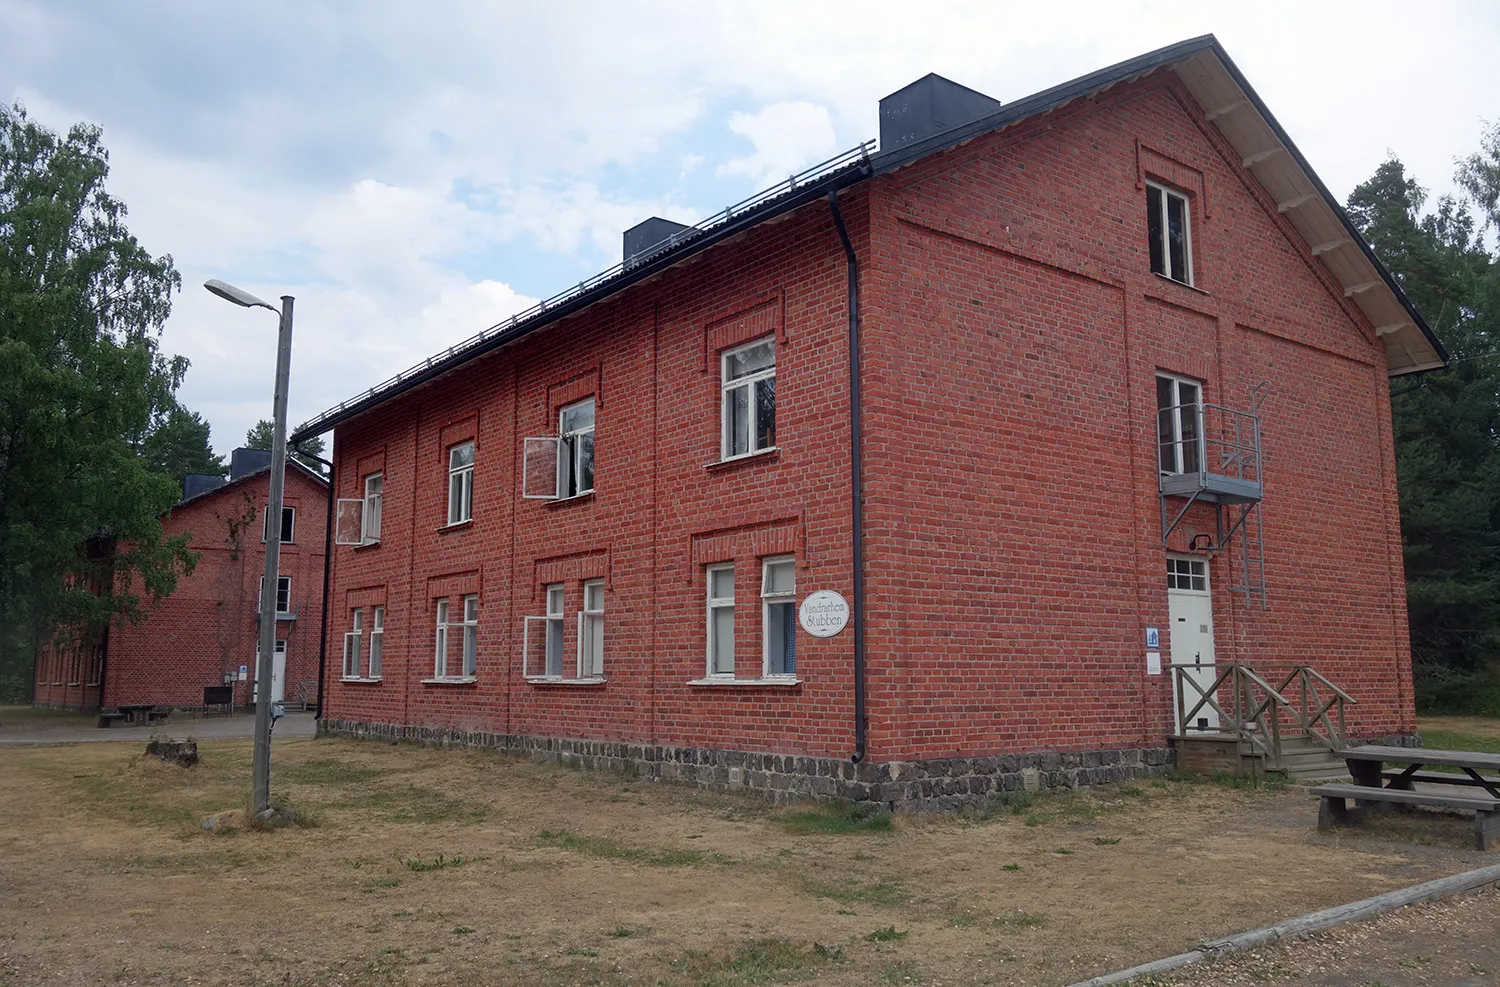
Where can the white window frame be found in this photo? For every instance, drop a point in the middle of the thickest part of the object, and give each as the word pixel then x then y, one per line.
pixel 768 598
pixel 377 644
pixel 1174 413
pixel 554 648
pixel 369 518
pixel 591 632
pixel 353 639
pixel 281 581
pixel 461 484
pixel 287 511
pixel 715 603
pixel 467 625
pixel 1166 233
pixel 571 464
pixel 748 381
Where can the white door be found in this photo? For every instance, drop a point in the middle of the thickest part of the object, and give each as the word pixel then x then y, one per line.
pixel 1190 610
pixel 278 673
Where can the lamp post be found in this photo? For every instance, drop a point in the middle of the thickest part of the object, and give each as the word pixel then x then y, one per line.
pixel 264 667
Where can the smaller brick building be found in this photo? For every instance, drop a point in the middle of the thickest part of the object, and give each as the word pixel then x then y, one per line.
pixel 206 630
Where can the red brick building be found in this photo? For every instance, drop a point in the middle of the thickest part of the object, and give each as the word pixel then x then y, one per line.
pixel 1085 321
pixel 207 629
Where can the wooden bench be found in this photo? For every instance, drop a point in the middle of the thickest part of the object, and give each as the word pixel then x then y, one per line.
pixel 107 717
pixel 1334 808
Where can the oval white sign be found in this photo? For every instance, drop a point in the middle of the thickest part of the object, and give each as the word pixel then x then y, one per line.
pixel 824 613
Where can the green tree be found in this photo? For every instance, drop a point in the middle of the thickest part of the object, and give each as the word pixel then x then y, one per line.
pixel 259 437
pixel 81 378
pixel 1447 430
pixel 178 444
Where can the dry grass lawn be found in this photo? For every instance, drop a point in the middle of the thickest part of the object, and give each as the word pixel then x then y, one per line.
pixel 467 867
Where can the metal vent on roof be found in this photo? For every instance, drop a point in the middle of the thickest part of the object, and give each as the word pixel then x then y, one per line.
pixel 243 461
pixel 641 237
pixel 929 106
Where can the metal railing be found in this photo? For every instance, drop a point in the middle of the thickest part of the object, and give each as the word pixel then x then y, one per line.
pixel 823 169
pixel 1205 439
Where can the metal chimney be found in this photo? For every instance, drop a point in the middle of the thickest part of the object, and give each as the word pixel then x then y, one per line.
pixel 640 238
pixel 929 106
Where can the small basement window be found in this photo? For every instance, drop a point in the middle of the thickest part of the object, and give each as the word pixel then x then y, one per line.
pixel 1167 231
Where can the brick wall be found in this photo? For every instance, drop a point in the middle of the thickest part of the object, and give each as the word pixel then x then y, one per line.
pixel 1012 333
pixel 208 627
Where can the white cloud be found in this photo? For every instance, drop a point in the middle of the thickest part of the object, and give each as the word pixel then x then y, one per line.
pixel 787 138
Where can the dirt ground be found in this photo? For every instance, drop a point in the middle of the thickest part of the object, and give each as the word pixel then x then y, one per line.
pixel 1452 943
pixel 466 867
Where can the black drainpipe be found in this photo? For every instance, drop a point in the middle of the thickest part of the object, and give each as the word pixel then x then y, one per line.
pixel 856 471
pixel 327 563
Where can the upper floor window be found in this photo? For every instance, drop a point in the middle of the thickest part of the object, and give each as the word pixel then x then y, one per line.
pixel 575 449
pixel 461 483
pixel 288 524
pixel 283 594
pixel 1179 417
pixel 1167 230
pixel 369 527
pixel 749 399
pixel 778 595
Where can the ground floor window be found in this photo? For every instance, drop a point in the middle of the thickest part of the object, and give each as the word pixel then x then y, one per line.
pixel 591 630
pixel 457 630
pixel 720 619
pixel 353 640
pixel 778 594
pixel 377 641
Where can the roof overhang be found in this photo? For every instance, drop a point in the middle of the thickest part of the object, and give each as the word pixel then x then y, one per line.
pixel 1231 105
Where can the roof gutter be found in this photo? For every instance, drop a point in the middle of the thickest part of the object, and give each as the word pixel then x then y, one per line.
pixel 856 481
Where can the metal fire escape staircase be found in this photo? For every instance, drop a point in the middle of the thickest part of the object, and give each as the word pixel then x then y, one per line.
pixel 1220 452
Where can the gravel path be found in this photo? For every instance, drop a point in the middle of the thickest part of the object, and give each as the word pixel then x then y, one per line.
pixel 1455 943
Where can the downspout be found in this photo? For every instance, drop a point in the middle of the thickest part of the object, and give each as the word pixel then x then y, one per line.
pixel 327 563
pixel 856 479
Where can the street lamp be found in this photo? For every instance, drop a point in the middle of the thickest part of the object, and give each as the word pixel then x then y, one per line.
pixel 264 667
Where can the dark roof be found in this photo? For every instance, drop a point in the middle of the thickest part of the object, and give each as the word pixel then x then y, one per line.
pixel 848 169
pixel 248 476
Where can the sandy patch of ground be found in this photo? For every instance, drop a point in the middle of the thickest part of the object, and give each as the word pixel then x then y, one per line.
pixel 467 867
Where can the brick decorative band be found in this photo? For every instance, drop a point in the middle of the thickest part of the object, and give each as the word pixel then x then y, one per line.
pixel 933 785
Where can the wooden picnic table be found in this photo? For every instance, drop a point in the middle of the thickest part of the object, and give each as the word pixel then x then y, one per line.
pixel 1367 766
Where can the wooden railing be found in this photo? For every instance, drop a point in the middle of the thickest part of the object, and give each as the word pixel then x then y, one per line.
pixel 1253 710
pixel 1311 709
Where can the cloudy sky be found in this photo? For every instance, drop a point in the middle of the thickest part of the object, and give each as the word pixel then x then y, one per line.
pixel 415 172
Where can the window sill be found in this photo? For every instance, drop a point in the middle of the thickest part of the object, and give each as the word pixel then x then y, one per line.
pixel 358 679
pixel 365 545
pixel 770 682
pixel 582 498
pixel 455 526
pixel 558 680
pixel 452 680
pixel 1180 284
pixel 759 456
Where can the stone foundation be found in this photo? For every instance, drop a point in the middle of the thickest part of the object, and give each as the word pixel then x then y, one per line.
pixel 941 784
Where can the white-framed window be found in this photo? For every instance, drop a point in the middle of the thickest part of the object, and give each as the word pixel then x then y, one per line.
pixel 1179 424
pixel 377 642
pixel 353 639
pixel 748 379
pixel 283 594
pixel 778 603
pixel 288 524
pixel 1168 233
pixel 591 630
pixel 575 449
pixel 464 627
pixel 369 527
pixel 1188 574
pixel 720 580
pixel 461 483
pixel 554 657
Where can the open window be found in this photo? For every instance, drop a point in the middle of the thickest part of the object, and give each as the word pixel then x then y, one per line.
pixel 748 383
pixel 348 521
pixel 1169 237
pixel 1179 424
pixel 561 466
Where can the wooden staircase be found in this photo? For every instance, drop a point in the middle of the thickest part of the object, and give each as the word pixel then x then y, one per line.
pixel 1260 729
